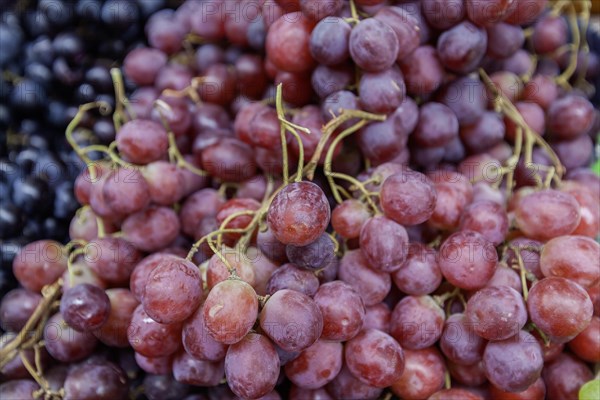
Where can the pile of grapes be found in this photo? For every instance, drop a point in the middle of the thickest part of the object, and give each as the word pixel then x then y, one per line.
pixel 322 199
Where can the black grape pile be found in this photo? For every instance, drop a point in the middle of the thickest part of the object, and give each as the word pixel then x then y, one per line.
pixel 327 199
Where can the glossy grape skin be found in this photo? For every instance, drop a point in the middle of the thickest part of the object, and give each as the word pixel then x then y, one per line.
pixel 420 273
pixel 505 276
pixel 114 331
pixel 589 225
pixel 112 259
pixel 576 258
pixel 504 40
pixel 21 389
pixel 348 217
pixel 141 65
pixel 462 47
pixel 230 310
pixel 289 276
pixel 467 260
pixel 150 338
pixel 487 218
pixel 234 206
pixel 142 141
pixel 109 380
pixel 347 386
pixel 537 391
pixel 375 358
pixel 547 214
pixel 327 80
pixel 570 116
pixel 496 313
pixel 488 130
pixel 151 229
pixel 85 307
pixel 384 243
pixel 459 342
pixel 299 213
pixel 16 308
pixel 574 153
pixel 381 92
pixel 191 371
pixel 408 197
pixel 229 159
pixel 316 365
pixel 292 320
pixel 165 182
pixel 373 45
pixel 378 317
pixel 314 256
pixel 372 285
pixel 417 322
pixel 586 345
pixel 560 308
pixel 423 374
pixel 197 340
pixel 40 263
pixel 565 376
pixel 405 25
pixel 287 43
pixel 515 363
pixel 437 125
pixel 201 204
pixel 173 290
pixel 329 41
pixel 380 142
pixel 343 311
pixel 423 71
pixel 139 276
pixel 66 344
pixel 253 353
pixel 549 33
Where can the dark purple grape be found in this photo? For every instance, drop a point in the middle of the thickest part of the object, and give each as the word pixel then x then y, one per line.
pixel 373 45
pixel 85 307
pixel 462 47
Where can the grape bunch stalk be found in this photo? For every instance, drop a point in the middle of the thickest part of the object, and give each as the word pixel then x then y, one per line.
pixel 347 200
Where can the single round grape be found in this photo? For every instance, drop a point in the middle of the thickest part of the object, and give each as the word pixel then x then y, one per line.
pixel 327 80
pixel 287 44
pixel 253 353
pixel 378 317
pixel 16 308
pixel 405 25
pixel 289 276
pixel 487 218
pixel 112 259
pixel 437 125
pixel 231 207
pixel 110 382
pixel 574 153
pixel 467 260
pixel 292 320
pixel 316 365
pixel 417 322
pixel 537 391
pixel 542 90
pixel 382 141
pixel 40 263
pixel 125 191
pixel 454 193
pixel 230 310
pixel 423 71
pixel 576 258
pixel 487 131
pixel 299 213
pixel 197 340
pixel 122 306
pixel 348 217
pixel 347 386
pixel 382 91
pixel 384 243
pixel 420 274
pixel 154 365
pixel 443 14
pixel 229 159
pixel 505 276
pixel 191 371
pixel 586 345
pixel 408 197
pixel 173 290
pixel 489 12
pixel 313 256
pixel 151 338
pixel 199 205
pixel 549 33
pixel 65 343
pixel 459 342
pixel 343 310
pixel 373 286
pixel 373 45
pixel 466 97
pixel 151 229
pixel 142 141
pixel 375 358
pixel 496 313
pixel 504 40
pixel 570 116
pixel 423 374
pixel 559 307
pixel 85 307
pixel 141 65
pixel 565 376
pixel 462 47
pixel 513 364
pixel 165 182
pixel 329 41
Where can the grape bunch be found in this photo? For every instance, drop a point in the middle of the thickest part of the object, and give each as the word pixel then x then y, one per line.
pixel 321 199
